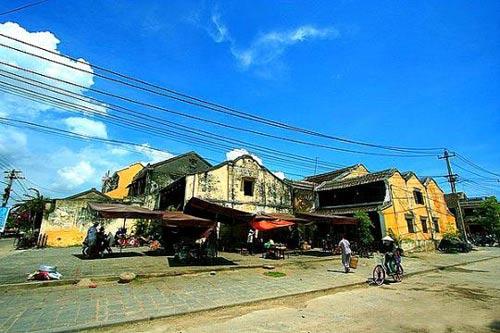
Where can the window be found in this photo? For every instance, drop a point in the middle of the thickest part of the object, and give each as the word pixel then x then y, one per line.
pixel 435 221
pixel 419 198
pixel 409 223
pixel 248 185
pixel 423 220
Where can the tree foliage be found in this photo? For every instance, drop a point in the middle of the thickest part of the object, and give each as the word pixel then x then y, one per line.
pixel 488 215
pixel 364 229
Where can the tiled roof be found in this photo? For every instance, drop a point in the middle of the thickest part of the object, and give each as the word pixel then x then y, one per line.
pixel 143 172
pixel 301 184
pixel 330 175
pixel 355 181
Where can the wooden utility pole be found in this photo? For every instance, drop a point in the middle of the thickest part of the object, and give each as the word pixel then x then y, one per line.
pixel 452 178
pixel 10 176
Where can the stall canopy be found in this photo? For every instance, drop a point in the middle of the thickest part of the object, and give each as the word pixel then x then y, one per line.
pixel 333 219
pixel 213 211
pixel 180 219
pixel 270 221
pixel 265 225
pixel 112 211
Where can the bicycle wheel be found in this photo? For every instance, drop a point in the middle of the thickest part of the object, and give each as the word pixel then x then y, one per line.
pixel 378 275
pixel 398 277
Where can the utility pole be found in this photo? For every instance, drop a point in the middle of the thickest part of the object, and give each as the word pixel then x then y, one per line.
pixel 10 176
pixel 452 178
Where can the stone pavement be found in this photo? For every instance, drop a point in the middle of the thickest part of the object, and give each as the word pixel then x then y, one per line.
pixel 16 265
pixel 52 309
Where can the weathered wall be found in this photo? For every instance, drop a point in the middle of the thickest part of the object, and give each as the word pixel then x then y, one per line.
pixel 67 223
pixel 125 177
pixel 439 209
pixel 224 185
pixel 303 200
pixel 403 205
pixel 163 174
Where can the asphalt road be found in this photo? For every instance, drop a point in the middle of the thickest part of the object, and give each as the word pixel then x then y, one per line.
pixel 461 299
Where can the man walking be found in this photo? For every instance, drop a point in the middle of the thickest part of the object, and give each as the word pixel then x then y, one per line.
pixel 250 239
pixel 345 246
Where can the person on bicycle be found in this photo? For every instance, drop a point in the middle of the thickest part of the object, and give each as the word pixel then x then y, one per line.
pixel 390 251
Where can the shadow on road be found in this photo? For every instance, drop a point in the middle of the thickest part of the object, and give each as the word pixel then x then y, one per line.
pixel 219 261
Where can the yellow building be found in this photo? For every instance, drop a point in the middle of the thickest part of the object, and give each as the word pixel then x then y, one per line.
pixel 116 186
pixel 68 219
pixel 400 204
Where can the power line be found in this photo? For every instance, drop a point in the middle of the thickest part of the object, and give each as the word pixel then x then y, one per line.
pixel 182 114
pixel 28 5
pixel 194 100
pixel 73 135
pixel 466 160
pixel 198 132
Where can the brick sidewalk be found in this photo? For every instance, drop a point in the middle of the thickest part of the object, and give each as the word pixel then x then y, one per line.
pixel 17 264
pixel 70 308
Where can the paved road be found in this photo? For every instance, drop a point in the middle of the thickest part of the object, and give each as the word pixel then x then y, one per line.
pixel 69 307
pixel 462 299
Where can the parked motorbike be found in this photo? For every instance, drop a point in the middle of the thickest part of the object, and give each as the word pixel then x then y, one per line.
pixel 97 249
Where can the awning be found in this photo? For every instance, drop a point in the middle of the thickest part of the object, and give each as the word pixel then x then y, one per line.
pixel 281 216
pixel 180 219
pixel 123 211
pixel 333 219
pixel 214 211
pixel 264 225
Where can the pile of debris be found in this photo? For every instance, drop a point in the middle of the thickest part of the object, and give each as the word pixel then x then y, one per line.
pixel 45 272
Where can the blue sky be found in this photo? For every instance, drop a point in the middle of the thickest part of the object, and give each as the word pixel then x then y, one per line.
pixel 422 74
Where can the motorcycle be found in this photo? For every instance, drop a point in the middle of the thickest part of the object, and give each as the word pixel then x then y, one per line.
pixel 97 249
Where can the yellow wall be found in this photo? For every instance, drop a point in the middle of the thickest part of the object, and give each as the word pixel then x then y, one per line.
pixel 403 203
pixel 360 170
pixel 68 222
pixel 439 208
pixel 125 177
pixel 224 186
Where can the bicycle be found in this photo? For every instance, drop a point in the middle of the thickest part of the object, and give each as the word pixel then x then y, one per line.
pixel 383 269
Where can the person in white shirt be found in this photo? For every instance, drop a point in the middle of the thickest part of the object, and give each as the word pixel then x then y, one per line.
pixel 345 246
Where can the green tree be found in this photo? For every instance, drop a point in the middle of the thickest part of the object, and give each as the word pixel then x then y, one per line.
pixel 488 215
pixel 364 230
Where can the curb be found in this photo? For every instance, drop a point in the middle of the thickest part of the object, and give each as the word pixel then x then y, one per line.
pixel 335 289
pixel 108 278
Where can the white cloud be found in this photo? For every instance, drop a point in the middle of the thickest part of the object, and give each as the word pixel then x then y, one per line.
pixel 77 174
pixel 218 30
pixel 12 104
pixel 267 48
pixel 280 174
pixel 153 155
pixel 86 126
pixel 270 46
pixel 235 153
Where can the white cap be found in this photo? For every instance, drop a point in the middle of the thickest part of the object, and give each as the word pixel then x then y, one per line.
pixel 388 238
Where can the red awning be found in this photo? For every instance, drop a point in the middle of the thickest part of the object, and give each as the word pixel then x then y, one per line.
pixel 112 211
pixel 264 225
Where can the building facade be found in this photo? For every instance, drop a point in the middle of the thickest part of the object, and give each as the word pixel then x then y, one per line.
pixel 242 184
pixel 399 204
pixel 117 185
pixel 67 220
pixel 147 183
